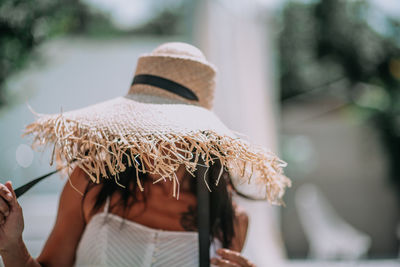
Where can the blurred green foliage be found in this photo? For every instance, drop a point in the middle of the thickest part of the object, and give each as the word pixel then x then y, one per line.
pixel 166 22
pixel 332 40
pixel 25 24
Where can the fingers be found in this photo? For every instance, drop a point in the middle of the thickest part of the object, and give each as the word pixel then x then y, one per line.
pixel 223 263
pixel 2 219
pixel 8 201
pixel 5 198
pixel 234 257
pixel 4 208
pixel 11 189
pixel 5 192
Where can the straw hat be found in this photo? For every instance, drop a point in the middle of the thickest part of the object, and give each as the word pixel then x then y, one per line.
pixel 164 121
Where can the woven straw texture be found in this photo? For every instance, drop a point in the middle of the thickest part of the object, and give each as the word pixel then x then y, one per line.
pixel 155 133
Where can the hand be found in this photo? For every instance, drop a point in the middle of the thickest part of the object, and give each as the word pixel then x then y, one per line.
pixel 230 258
pixel 11 218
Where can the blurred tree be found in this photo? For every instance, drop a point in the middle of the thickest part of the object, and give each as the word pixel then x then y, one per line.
pixel 331 40
pixel 25 24
pixel 167 21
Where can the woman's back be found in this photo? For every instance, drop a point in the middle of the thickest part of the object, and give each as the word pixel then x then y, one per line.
pixel 156 230
pixel 155 207
pixel 101 239
pixel 110 240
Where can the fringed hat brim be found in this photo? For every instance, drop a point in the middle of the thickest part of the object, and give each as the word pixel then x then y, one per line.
pixel 159 136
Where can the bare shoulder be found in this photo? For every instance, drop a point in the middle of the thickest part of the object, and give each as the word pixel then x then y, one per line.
pixel 78 180
pixel 60 247
pixel 75 191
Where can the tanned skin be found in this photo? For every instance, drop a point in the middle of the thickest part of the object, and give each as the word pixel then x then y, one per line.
pixel 162 212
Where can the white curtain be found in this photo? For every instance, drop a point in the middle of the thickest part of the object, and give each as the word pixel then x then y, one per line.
pixel 235 36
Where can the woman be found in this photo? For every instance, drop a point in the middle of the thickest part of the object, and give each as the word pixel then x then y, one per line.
pixel 137 149
pixel 76 212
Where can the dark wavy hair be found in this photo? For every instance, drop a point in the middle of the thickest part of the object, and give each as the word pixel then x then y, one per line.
pixel 222 213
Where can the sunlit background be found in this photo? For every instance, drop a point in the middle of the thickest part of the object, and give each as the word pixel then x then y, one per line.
pixel 316 81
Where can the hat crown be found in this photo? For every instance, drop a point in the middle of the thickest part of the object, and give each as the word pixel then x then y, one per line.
pixel 182 64
pixel 179 49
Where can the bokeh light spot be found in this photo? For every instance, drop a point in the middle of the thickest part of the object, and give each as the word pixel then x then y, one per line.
pixel 24 155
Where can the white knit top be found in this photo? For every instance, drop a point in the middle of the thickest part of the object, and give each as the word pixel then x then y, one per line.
pixel 110 240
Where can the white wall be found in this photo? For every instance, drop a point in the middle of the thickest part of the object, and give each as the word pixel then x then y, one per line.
pixel 236 36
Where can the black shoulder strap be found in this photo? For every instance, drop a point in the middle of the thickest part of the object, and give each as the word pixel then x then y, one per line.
pixel 24 188
pixel 203 215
